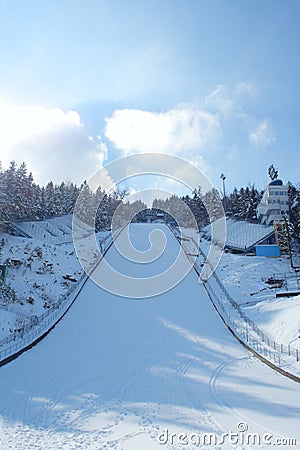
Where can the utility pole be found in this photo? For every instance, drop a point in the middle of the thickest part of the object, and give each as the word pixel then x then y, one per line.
pixel 223 178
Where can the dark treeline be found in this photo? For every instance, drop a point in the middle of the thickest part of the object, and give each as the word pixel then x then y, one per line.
pixel 22 199
pixel 294 206
pixel 241 204
pixel 195 203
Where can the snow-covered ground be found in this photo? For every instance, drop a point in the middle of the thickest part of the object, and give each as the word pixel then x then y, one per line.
pixel 39 273
pixel 244 277
pixel 121 373
pixel 279 317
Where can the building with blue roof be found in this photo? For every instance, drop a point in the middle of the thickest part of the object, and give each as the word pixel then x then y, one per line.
pixel 274 203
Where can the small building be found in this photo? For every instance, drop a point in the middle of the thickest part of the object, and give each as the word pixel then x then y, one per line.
pixel 271 251
pixel 274 203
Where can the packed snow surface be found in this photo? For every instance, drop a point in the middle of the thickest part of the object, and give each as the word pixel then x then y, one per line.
pixel 122 373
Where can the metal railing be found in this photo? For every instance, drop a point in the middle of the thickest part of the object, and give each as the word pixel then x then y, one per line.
pixel 249 324
pixel 247 330
pixel 37 326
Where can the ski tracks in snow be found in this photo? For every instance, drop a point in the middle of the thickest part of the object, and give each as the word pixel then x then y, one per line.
pixel 203 417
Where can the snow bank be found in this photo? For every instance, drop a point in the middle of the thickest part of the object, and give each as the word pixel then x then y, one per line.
pixel 42 282
pixel 280 318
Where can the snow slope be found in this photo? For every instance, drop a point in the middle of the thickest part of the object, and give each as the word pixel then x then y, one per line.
pixel 38 279
pixel 41 281
pixel 244 277
pixel 116 372
pixel 279 317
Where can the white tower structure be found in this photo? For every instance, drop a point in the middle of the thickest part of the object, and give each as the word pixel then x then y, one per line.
pixel 274 202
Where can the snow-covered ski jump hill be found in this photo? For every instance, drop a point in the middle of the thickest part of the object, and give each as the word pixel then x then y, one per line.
pixel 132 374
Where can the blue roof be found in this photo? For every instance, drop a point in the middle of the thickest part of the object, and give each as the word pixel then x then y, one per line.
pixel 276 183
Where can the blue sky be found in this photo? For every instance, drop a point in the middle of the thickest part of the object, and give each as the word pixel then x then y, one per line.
pixel 214 82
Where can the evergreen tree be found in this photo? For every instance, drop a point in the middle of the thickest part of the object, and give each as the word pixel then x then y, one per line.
pixel 294 208
pixel 213 202
pixel 3 198
pixel 85 208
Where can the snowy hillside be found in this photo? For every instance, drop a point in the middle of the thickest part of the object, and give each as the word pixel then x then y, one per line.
pixel 245 278
pixel 39 275
pixel 251 284
pixel 279 317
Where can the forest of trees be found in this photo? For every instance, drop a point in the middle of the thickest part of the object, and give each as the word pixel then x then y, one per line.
pixel 240 204
pixel 22 199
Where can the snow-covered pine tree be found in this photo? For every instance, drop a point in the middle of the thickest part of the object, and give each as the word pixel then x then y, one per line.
pixel 213 202
pixel 294 208
pixel 85 208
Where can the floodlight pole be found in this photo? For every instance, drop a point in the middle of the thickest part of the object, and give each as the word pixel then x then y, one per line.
pixel 223 178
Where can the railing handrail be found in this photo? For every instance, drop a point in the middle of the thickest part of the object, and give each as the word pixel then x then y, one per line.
pixel 266 339
pixel 38 325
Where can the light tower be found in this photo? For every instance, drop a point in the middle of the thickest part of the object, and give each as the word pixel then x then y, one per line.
pixel 223 178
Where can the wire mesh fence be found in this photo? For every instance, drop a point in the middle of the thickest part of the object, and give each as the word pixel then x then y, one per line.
pixel 245 328
pixel 35 326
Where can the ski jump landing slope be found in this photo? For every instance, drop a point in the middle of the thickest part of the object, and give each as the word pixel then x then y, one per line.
pixel 122 373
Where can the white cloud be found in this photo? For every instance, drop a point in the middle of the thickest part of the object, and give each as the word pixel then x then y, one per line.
pixel 263 134
pixel 185 131
pixel 179 131
pixel 246 87
pixel 200 163
pixel 220 102
pixel 53 143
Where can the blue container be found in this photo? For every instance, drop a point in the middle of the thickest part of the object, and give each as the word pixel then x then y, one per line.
pixel 268 250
